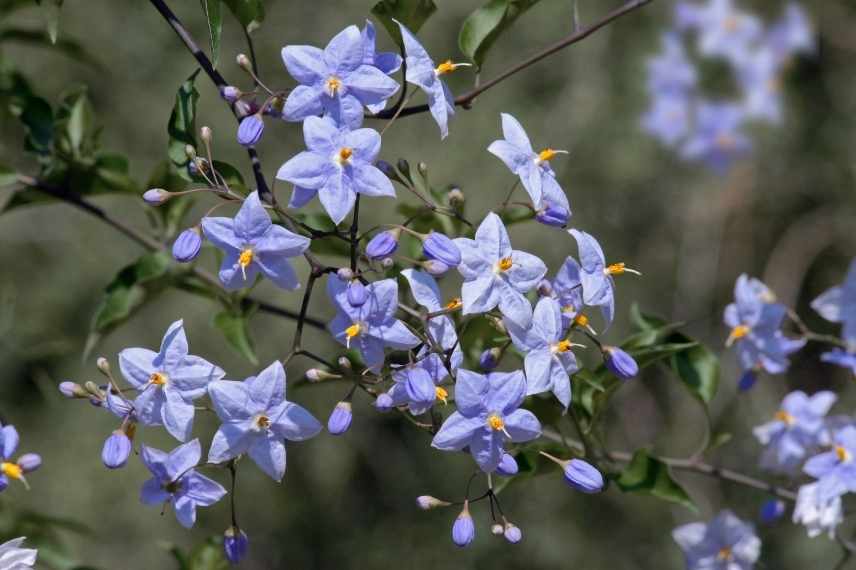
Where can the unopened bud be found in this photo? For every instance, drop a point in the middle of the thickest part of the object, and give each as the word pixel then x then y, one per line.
pixel 512 533
pixel 29 462
pixel 345 273
pixel 456 197
pixel 205 134
pixel 344 363
pixel 490 358
pixel 103 366
pixel 497 529
pixel 235 544
pixel 244 62
pixel 404 168
pixel 427 502
pixel 230 93
pixel 189 151
pixel 317 375
pixel 117 448
pixel 72 390
pixel 93 390
pixel 545 288
pixel 340 419
pixel 387 263
pixel 384 403
pixel 423 169
pixel 156 196
pixel 463 530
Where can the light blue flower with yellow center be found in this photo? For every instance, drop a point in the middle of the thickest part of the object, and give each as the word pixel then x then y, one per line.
pixel 725 543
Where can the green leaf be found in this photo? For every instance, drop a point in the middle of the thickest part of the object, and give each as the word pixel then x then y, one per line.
pixel 650 476
pixel 182 124
pixel 215 27
pixel 250 13
pixel 481 28
pixel 112 172
pixel 235 327
pixel 8 176
pixel 412 13
pixel 37 117
pixel 698 369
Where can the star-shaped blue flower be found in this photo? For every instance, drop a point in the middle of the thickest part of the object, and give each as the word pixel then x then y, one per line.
pixel 337 165
pixel 336 81
pixel 532 167
pixel 441 328
pixel 795 431
pixel 567 289
pixel 725 543
pixel 371 326
pixel 253 244
pixel 835 470
pixel 726 31
pixel 257 419
pixel 168 381
pixel 495 275
pixel 487 417
pixel 422 72
pixel 175 481
pixel 838 305
pixel 548 359
pixel 718 139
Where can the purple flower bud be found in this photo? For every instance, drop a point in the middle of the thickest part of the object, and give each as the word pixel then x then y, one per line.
pixel 507 465
pixel 772 510
pixel 427 502
pixel 583 476
pixel 463 531
pixel 230 93
pixel 747 380
pixel 187 245
pixel 545 288
pixel 345 273
pixel 357 293
pixel 620 363
pixel 30 462
pixel 72 390
pixel 382 245
pixel 435 267
pixel 438 246
pixel 512 533
pixel 552 215
pixel 116 450
pixel 235 544
pixel 388 170
pixel 244 108
pixel 383 403
pixel 250 130
pixel 489 358
pixel 340 418
pixel 156 196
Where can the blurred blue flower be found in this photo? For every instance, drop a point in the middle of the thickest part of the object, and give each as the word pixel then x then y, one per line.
pixel 838 305
pixel 717 139
pixel 816 514
pixel 567 289
pixel 835 470
pixel 725 543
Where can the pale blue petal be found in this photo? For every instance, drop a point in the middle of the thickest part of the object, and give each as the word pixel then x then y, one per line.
pixel 294 422
pixel 395 335
pixel 301 196
pixel 136 365
pixel 185 511
pixel 486 449
pixel 424 289
pixel 473 261
pixel 370 181
pixel 303 102
pixel 337 197
pixel 269 454
pixel 202 490
pixel 481 295
pixel 507 391
pixel 471 390
pixel 522 425
pixel 231 440
pixel 456 432
pixel 344 53
pixel 221 232
pixel 252 220
pixel 371 85
pixel 307 170
pixel 267 389
pixel 525 272
pixel 513 304
pixel 152 492
pixel 305 64
pixel 537 364
pixel 177 415
pixel 183 458
pixel 492 238
pixel 231 401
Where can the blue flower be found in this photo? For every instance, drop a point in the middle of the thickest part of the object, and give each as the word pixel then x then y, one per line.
pixel 337 165
pixel 838 305
pixel 387 62
pixel 487 417
pixel 725 543
pixel 336 81
pixel 835 470
pixel 250 130
pixel 794 432
pixel 175 481
pixel 755 320
pixel 619 362
pixel 668 119
pixel 726 31
pixel 371 326
pixel 816 514
pixel 13 557
pixel 187 245
pixel 567 289
pixel 253 245
pixel 671 73
pixel 494 274
pixel 596 276
pixel 257 419
pixel 440 328
pixel 792 33
pixel 422 72
pixel 548 359
pixel 583 476
pixel 117 448
pixel 340 418
pixel 10 469
pixel 235 544
pixel 717 139
pixel 167 382
pixel 532 167
pixel 463 530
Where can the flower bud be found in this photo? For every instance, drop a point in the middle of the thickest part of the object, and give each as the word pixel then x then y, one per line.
pixel 497 529
pixel 187 245
pixel 235 544
pixel 422 167
pixel 507 465
pixel 583 476
pixel 427 502
pixel 512 533
pixel 317 375
pixel 205 134
pixel 463 530
pixel 190 152
pixel 620 363
pixel 340 418
pixel 388 170
pixel 243 61
pixel 545 288
pixel 230 93
pixel 116 450
pixel 275 107
pixel 387 262
pixel 435 267
pixel 553 215
pixel 490 358
pixel 438 246
pixel 156 196
pixel 250 130
pixel 456 197
pixel 345 273
pixel 244 108
pixel 72 390
pixel 772 510
pixel 404 168
pixel 357 293
pixel 93 390
pixel 103 366
pixel 383 403
pixel 747 380
pixel 383 244
pixel 29 462
pixel 344 363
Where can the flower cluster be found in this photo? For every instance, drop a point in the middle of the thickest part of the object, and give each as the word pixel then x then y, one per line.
pixel 708 129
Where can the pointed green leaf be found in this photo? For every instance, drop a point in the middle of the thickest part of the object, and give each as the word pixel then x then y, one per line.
pixel 481 28
pixel 650 476
pixel 698 369
pixel 182 124
pixel 250 13
pixel 214 17
pixel 412 13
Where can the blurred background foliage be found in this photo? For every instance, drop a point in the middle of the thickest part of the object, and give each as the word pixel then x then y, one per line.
pixel 785 215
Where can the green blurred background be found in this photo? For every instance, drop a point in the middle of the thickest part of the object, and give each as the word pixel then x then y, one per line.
pixel 785 214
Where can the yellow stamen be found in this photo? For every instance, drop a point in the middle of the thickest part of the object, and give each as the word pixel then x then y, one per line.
pixel 842 454
pixel 562 346
pixel 581 321
pixel 546 154
pixel 445 67
pixel 158 379
pixel 737 333
pixel 785 417
pixel 245 259
pixel 12 470
pixel 504 264
pixel 495 422
pixel 351 332
pixel 724 554
pixel 455 303
pixel 263 422
pixel 441 394
pixel 616 269
pixel 333 84
pixel 345 154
